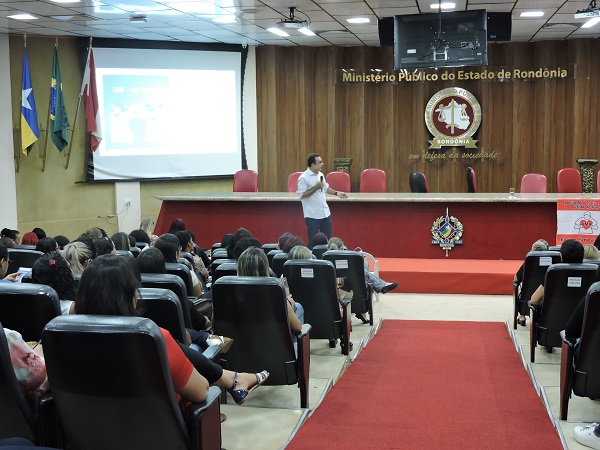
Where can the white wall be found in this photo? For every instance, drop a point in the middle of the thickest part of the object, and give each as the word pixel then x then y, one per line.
pixel 129 216
pixel 249 118
pixel 8 212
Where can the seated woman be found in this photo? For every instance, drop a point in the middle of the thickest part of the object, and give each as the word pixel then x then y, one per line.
pixel 147 226
pixel 169 246
pixel 47 245
pixel 14 235
pixel 78 254
pixel 109 287
pixel 121 241
pixel 4 267
pixel 30 238
pixel 187 245
pixel 590 252
pixel 105 246
pixel 152 260
pixel 254 263
pixel 53 270
pixel 538 246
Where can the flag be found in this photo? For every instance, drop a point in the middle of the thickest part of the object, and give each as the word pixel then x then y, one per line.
pixel 58 113
pixel 90 95
pixel 29 126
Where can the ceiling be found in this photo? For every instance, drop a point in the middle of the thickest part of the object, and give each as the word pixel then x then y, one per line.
pixel 193 20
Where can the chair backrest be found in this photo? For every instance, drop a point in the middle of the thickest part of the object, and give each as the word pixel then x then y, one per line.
pixel 350 265
pixel 270 256
pixel 225 269
pixel 217 262
pixel 318 250
pixel 16 417
pixel 253 311
pixel 568 180
pixel 279 260
pixel 187 259
pixel 268 247
pixel 220 253
pixel 183 272
pixel 534 183
pixel 471 181
pixel 27 308
pixel 564 287
pixel 163 307
pixel 245 181
pixel 135 250
pixel 142 245
pixel 293 181
pixel 312 283
pixel 173 283
pixel 418 183
pixel 586 379
pixel 339 181
pixel 21 257
pixel 111 382
pixel 373 180
pixel 125 254
pixel 534 271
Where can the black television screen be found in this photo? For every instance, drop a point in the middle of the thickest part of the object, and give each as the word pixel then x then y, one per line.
pixel 449 39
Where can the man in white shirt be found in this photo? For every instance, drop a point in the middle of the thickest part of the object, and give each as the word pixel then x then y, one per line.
pixel 312 188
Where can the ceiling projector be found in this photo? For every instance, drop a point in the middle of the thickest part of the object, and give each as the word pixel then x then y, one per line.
pixel 590 12
pixel 292 22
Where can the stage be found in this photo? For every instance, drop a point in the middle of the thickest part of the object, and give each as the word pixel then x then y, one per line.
pixel 393 225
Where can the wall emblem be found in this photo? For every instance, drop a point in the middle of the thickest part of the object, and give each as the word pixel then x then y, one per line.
pixel 452 116
pixel 447 232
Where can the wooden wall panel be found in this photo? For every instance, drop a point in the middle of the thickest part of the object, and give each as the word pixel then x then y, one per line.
pixel 534 125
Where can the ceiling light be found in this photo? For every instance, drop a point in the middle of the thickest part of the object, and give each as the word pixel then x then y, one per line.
pixel 532 14
pixel 358 20
pixel 591 22
pixel 138 18
pixel 225 19
pixel 445 5
pixel 277 31
pixel 306 31
pixel 65 1
pixel 22 16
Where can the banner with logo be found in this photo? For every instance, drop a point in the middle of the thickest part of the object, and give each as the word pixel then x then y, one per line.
pixel 579 219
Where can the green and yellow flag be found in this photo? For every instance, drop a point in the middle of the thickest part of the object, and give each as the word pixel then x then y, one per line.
pixel 58 113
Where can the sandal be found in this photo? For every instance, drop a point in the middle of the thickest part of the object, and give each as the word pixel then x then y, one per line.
pixel 241 395
pixel 223 342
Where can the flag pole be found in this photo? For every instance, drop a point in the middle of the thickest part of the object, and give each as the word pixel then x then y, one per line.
pixel 18 129
pixel 43 154
pixel 68 153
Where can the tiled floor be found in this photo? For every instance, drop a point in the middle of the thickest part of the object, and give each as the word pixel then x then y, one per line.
pixel 269 419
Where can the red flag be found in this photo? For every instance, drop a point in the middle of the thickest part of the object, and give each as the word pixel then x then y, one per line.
pixel 90 95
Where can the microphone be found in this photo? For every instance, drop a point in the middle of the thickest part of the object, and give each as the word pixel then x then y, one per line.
pixel 321 178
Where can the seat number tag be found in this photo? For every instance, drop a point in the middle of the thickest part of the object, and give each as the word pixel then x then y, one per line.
pixel 307 273
pixel 574 282
pixel 545 261
pixel 341 263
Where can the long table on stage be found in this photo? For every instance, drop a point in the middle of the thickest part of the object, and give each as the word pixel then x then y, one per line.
pixel 395 225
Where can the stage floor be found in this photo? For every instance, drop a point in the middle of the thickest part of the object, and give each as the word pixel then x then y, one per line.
pixel 450 276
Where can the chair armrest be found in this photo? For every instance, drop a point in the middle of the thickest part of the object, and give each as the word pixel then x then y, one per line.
pixel 515 283
pixel 212 352
pixel 345 302
pixel 305 330
pixel 566 340
pixel 203 424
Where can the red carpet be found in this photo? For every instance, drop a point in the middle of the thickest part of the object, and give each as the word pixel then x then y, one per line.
pixel 432 385
pixel 450 276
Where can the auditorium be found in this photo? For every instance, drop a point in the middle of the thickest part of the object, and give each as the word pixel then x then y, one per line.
pixel 355 224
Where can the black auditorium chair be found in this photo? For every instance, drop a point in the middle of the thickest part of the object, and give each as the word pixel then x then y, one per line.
pixel 253 311
pixel 217 262
pixel 186 258
pixel 268 247
pixel 312 283
pixel 21 257
pixel 117 392
pixel 271 255
pixel 215 246
pixel 418 183
pixel 318 250
pixel 183 272
pixel 350 265
pixel 554 248
pixel 225 269
pixel 220 253
pixel 564 287
pixel 135 250
pixel 279 260
pixel 142 245
pixel 125 254
pixel 534 271
pixel 173 283
pixel 579 364
pixel 16 416
pixel 27 308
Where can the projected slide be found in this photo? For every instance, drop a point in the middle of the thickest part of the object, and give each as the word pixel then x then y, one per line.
pixel 168 113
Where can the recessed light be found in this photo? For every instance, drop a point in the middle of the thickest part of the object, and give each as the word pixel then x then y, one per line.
pixel 590 23
pixel 358 20
pixel 22 16
pixel 445 5
pixel 65 1
pixel 277 31
pixel 532 14
pixel 225 19
pixel 306 31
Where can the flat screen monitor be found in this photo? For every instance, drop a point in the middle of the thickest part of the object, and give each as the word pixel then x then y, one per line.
pixel 449 39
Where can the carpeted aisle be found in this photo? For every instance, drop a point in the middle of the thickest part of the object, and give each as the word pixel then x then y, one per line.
pixel 432 385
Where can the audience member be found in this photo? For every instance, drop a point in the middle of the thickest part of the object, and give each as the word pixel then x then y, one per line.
pixel 105 246
pixel 47 245
pixel 141 236
pixel 571 252
pixel 240 234
pixel 147 226
pixel 12 234
pixel 41 234
pixel 53 270
pixel 291 243
pixel 169 246
pixel 61 241
pixel 4 266
pixel 590 252
pixel 597 242
pixel 94 233
pixel 319 239
pixel 201 252
pixel 177 225
pixel 121 241
pixel 7 242
pixel 283 239
pixel 109 287
pixel 187 245
pixel 29 238
pixel 538 246
pixel 78 255
pixel 300 252
pixel 588 435
pixel 244 244
pixel 226 240
pixel 254 263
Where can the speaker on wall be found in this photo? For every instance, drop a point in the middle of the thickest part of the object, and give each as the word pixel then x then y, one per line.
pixel 499 26
pixel 386 31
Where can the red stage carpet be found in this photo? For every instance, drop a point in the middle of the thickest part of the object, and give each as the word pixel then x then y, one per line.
pixel 432 385
pixel 450 276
